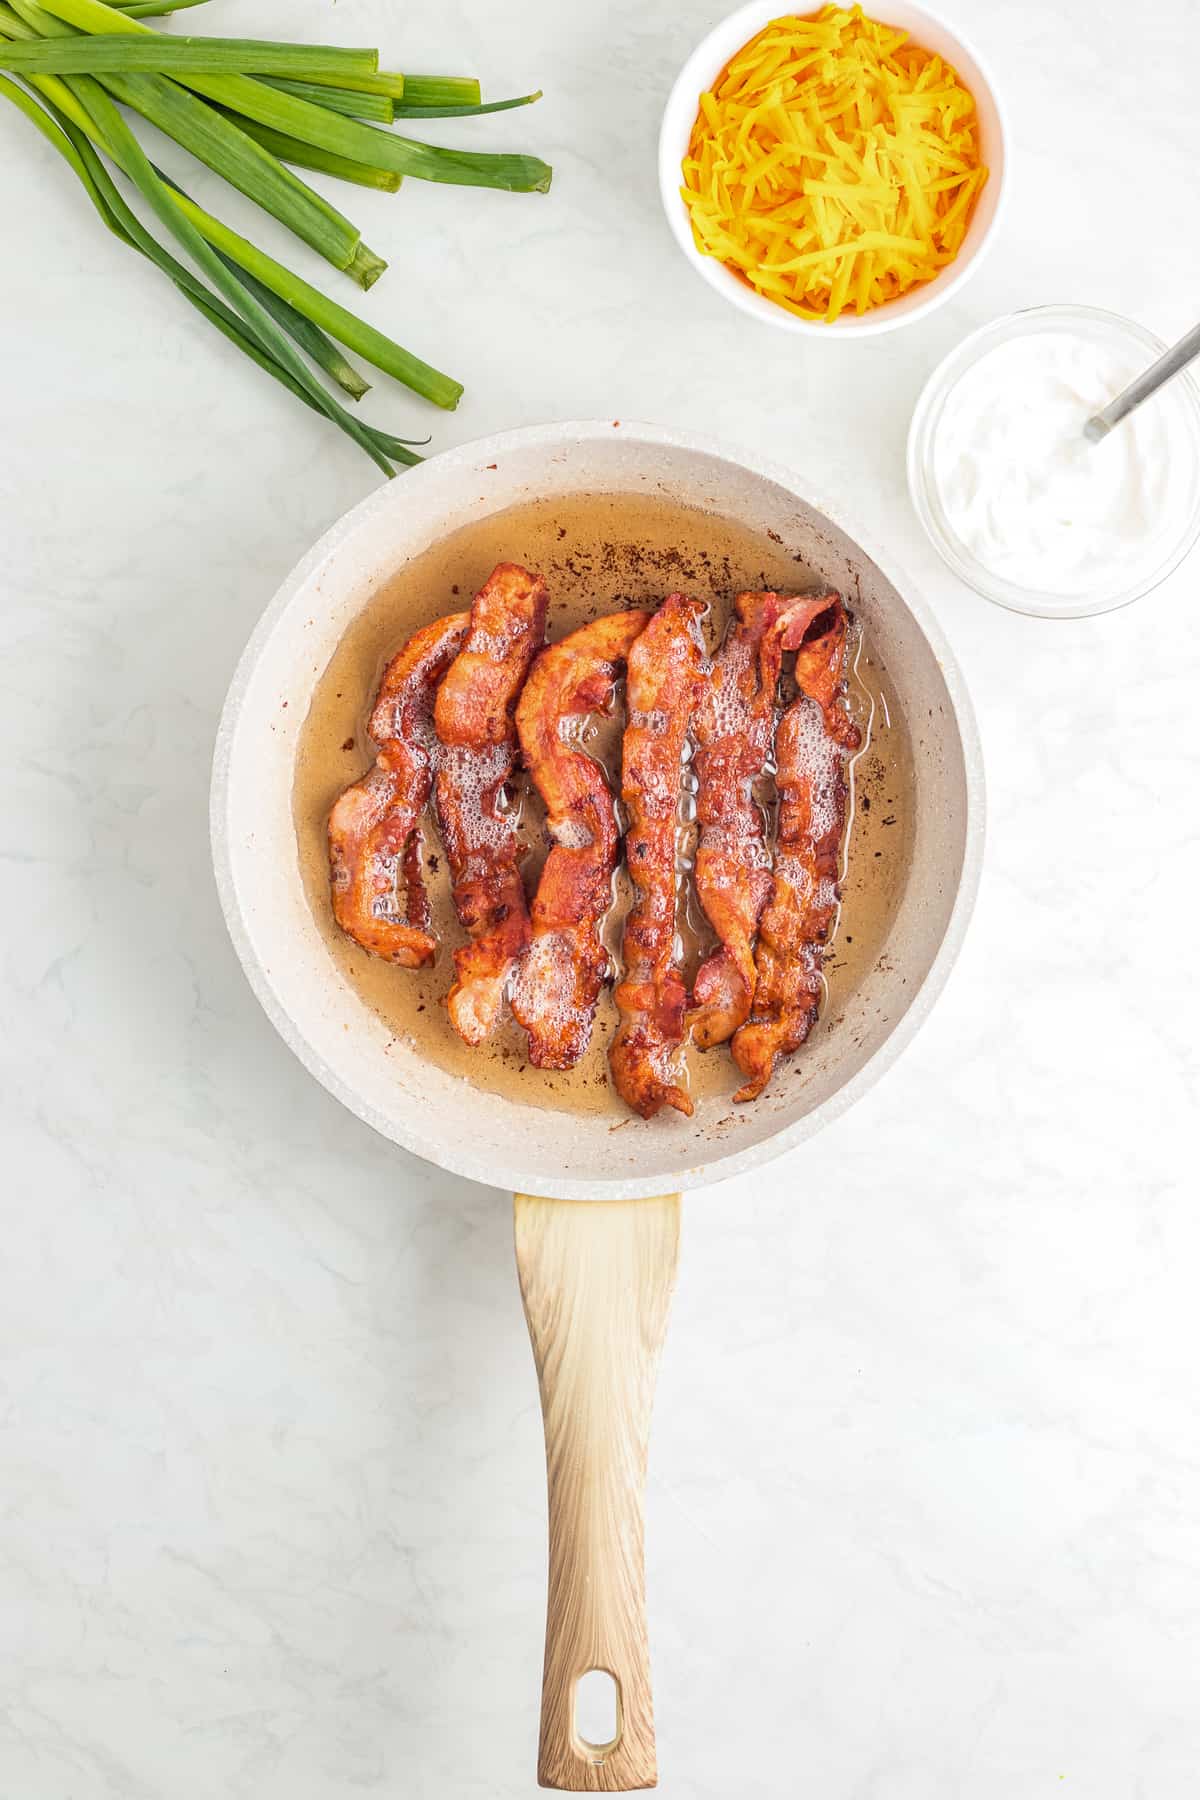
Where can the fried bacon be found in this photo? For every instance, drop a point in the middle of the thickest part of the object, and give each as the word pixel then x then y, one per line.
pixel 557 985
pixel 474 719
pixel 814 740
pixel 665 675
pixel 374 828
pixel 734 729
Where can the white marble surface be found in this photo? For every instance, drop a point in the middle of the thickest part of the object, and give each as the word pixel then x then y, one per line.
pixel 925 1485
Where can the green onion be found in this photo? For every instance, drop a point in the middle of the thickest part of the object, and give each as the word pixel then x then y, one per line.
pixel 376 107
pixel 381 446
pixel 313 124
pixel 422 90
pixel 374 346
pixel 363 143
pixel 246 164
pixel 404 111
pixel 54 134
pixel 34 22
pixel 307 156
pixel 381 82
pixel 155 9
pixel 13 27
pixel 331 60
pixel 308 337
pixel 269 104
pixel 261 326
pixel 323 351
pixel 348 329
pixel 176 55
pixel 285 148
pixel 77 151
pixel 281 111
pixel 440 90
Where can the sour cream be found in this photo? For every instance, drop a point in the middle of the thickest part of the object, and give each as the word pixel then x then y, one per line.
pixel 1030 499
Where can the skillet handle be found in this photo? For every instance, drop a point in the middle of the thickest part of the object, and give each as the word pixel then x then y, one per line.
pixel 596 1280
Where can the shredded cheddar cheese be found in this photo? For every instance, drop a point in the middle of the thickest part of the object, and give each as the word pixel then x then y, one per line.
pixel 834 164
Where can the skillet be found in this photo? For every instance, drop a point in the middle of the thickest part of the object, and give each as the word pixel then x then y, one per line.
pixel 596 1280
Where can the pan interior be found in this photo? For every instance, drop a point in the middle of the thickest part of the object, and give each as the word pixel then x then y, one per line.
pixel 599 553
pixel 612 521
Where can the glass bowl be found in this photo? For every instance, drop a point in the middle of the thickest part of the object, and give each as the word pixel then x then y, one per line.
pixel 1163 555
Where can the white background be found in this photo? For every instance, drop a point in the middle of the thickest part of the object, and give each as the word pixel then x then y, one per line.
pixel 924 1508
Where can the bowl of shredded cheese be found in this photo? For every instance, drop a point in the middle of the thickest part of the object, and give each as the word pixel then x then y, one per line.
pixel 833 171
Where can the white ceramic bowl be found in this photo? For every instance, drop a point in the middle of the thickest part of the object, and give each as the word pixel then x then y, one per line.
pixel 701 70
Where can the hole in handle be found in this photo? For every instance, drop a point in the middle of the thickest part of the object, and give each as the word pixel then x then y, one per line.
pixel 598 1713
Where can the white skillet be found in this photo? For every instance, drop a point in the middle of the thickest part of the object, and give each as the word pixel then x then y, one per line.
pixel 596 1280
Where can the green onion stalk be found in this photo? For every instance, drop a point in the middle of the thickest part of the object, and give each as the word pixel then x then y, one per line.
pixel 307 156
pixel 155 9
pixel 378 108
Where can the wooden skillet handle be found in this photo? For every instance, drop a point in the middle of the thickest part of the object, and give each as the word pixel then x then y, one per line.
pixel 596 1279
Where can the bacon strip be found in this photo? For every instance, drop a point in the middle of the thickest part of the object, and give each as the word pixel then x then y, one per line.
pixel 474 719
pixel 557 986
pixel 374 828
pixel 812 745
pixel 665 674
pixel 734 728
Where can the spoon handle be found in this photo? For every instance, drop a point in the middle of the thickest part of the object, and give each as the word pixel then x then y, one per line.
pixel 1147 383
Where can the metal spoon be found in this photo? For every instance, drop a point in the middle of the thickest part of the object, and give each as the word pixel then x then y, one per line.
pixel 1168 364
